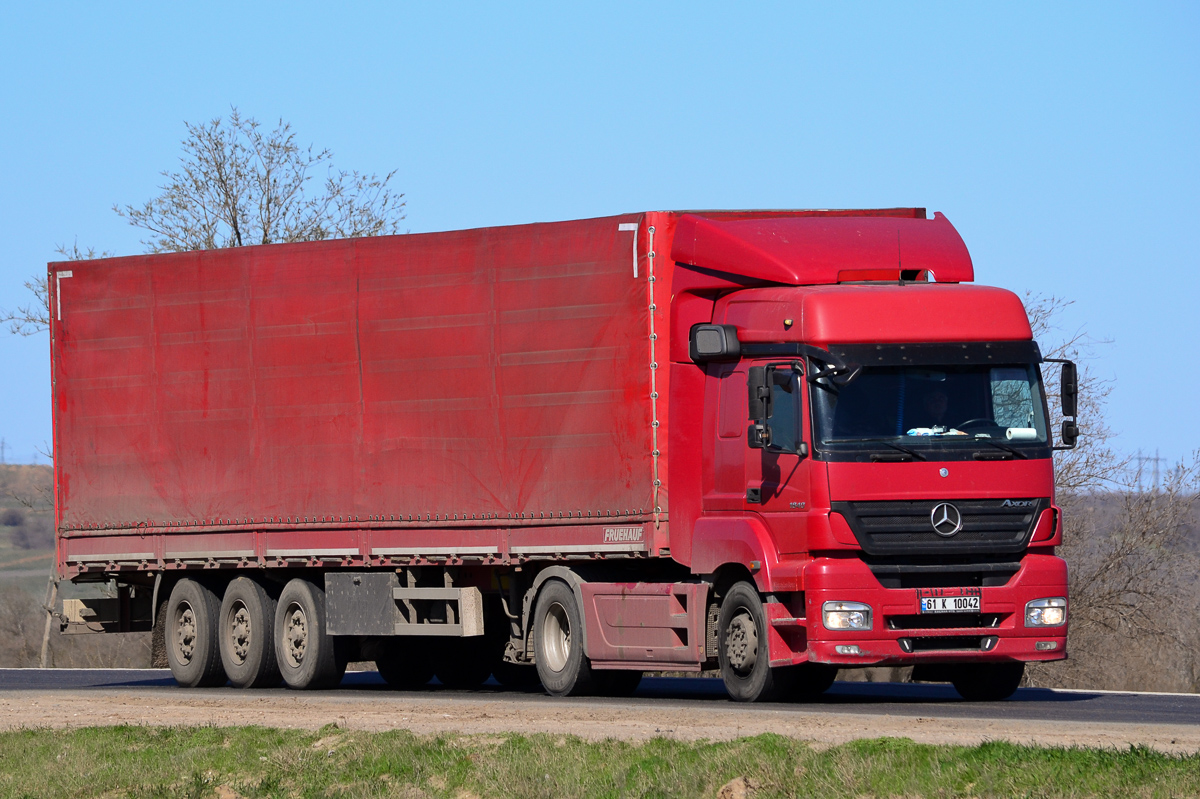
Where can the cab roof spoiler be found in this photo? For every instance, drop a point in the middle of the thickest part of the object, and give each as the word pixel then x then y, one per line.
pixel 807 248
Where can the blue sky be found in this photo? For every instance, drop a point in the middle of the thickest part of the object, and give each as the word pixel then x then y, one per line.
pixel 1062 140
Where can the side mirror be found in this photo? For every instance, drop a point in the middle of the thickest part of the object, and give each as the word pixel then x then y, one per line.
pixel 1069 382
pixel 758 402
pixel 1069 433
pixel 714 343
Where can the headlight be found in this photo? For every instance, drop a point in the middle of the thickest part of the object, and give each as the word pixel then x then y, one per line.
pixel 846 616
pixel 1046 612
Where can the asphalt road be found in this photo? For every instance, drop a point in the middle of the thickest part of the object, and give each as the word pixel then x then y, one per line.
pixel 891 699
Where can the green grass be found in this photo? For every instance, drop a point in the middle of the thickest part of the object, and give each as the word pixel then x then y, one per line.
pixel 261 762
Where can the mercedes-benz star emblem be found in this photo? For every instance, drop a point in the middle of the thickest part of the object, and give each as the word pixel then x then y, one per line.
pixel 946 519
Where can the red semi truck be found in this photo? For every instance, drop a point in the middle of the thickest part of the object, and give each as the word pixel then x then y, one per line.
pixel 777 443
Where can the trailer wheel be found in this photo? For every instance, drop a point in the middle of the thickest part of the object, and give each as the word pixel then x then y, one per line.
pixel 742 648
pixel 403 664
pixel 191 635
pixel 561 664
pixel 247 635
pixel 617 682
pixel 308 656
pixel 987 682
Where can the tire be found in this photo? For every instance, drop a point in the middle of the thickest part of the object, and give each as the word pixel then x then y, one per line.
pixel 247 635
pixel 308 657
pixel 404 664
pixel 810 680
pixel 742 649
pixel 616 682
pixel 190 635
pixel 987 682
pixel 562 665
pixel 462 663
pixel 158 636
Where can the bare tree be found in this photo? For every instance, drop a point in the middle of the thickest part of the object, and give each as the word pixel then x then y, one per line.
pixel 20 627
pixel 34 316
pixel 1094 465
pixel 240 184
pixel 1133 587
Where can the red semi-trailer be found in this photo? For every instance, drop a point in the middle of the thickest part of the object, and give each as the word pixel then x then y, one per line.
pixel 775 442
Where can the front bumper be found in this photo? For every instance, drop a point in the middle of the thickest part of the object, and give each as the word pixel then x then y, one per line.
pixel 900 635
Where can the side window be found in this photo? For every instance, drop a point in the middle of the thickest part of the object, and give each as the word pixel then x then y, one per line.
pixel 784 421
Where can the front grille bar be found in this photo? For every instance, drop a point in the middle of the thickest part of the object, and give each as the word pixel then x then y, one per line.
pixel 941 568
pixel 950 643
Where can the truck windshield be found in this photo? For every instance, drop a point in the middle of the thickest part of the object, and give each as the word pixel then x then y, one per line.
pixel 914 408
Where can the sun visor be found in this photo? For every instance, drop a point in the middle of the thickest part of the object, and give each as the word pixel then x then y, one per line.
pixel 816 250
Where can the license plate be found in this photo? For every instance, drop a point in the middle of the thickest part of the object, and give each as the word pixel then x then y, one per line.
pixel 949 600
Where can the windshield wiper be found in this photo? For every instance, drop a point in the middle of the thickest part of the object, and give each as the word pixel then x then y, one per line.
pixel 910 452
pixel 1004 447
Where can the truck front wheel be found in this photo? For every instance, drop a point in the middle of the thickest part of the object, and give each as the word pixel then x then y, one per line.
pixel 308 656
pixel 557 643
pixel 742 648
pixel 987 682
pixel 247 635
pixel 191 635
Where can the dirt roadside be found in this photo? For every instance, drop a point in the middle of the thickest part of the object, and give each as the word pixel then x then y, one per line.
pixel 431 715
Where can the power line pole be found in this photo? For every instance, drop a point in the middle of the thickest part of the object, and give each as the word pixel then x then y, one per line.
pixel 1142 460
pixel 3 445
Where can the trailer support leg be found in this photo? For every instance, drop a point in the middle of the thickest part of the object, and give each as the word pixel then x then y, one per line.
pixel 51 599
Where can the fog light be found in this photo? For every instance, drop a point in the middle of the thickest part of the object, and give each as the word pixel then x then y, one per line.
pixel 1045 646
pixel 846 616
pixel 847 649
pixel 1046 612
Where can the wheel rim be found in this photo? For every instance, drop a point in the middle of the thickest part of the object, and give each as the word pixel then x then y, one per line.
pixel 295 635
pixel 185 632
pixel 238 630
pixel 556 637
pixel 741 643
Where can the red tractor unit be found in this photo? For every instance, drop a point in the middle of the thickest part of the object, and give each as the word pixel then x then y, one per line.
pixel 777 443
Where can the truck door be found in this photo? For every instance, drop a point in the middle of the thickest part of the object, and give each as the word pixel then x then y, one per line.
pixel 728 480
pixel 774 479
pixel 777 476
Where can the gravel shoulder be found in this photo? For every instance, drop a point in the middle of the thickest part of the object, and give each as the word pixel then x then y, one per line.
pixel 633 720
